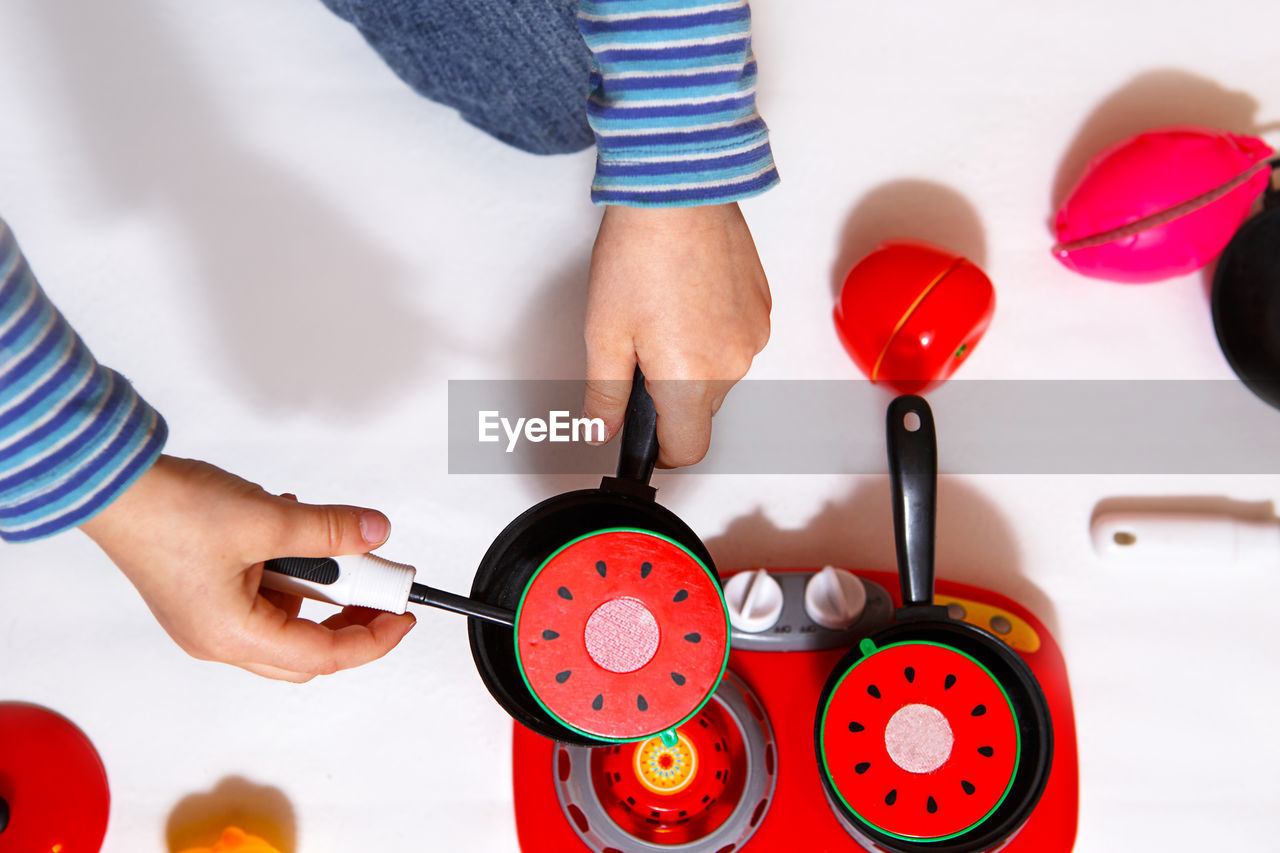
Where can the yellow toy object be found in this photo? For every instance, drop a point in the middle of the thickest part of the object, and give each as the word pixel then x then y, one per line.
pixel 236 840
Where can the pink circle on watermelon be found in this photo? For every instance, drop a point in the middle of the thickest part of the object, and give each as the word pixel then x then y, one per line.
pixel 918 738
pixel 1169 200
pixel 622 635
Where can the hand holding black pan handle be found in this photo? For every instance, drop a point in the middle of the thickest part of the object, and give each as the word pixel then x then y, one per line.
pixel 367 580
pixel 638 450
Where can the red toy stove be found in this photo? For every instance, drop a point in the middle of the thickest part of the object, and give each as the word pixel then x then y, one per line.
pixel 743 774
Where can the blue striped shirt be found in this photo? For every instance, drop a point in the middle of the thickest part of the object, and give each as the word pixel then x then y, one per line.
pixel 73 434
pixel 673 103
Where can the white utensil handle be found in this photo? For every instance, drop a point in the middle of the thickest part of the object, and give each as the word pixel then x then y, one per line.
pixel 361 580
pixel 1155 539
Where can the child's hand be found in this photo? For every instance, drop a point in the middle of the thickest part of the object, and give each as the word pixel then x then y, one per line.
pixel 192 538
pixel 681 291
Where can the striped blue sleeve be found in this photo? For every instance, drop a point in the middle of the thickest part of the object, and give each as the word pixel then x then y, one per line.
pixel 673 103
pixel 73 434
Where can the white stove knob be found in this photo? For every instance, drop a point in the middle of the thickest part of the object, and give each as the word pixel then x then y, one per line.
pixel 754 600
pixel 834 598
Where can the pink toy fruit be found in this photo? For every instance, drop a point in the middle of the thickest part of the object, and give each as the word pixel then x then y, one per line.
pixel 1160 204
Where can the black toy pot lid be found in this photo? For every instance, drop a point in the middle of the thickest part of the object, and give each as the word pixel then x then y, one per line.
pixel 1246 302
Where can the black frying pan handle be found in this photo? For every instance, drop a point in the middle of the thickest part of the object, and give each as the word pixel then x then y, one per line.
pixel 639 444
pixel 913 470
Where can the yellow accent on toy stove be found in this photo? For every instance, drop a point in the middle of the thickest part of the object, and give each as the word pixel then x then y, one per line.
pixel 1020 636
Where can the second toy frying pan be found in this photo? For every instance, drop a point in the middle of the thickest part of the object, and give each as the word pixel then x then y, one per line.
pixel 932 735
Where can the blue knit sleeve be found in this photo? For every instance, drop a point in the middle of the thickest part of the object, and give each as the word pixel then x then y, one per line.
pixel 673 103
pixel 73 434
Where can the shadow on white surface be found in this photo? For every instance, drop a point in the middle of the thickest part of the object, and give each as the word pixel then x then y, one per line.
pixel 310 311
pixel 198 819
pixel 549 345
pixel 1210 505
pixel 549 342
pixel 975 544
pixel 909 209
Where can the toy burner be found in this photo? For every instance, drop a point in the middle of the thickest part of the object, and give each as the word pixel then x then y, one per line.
pixel 709 789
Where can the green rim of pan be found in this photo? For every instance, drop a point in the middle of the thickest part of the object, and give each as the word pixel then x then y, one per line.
pixel 826 768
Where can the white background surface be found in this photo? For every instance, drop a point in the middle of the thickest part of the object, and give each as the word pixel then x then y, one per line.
pixel 290 253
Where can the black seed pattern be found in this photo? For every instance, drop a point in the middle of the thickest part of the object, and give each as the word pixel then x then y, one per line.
pixel 695 637
pixel 910 674
pixel 856 727
pixel 549 635
pixel 598 702
pixel 891 797
pixel 862 767
pixel 949 682
pixel 681 595
pixel 986 751
pixel 978 710
pixel 640 703
pixel 873 690
pixel 564 593
pixel 932 805
pixel 678 679
pixel 645 568
pixel 562 677
pixel 601 568
pixel 968 786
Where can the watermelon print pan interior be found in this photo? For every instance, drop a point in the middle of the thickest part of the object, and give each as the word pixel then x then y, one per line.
pixel 932 735
pixel 931 703
pixel 622 635
pixel 621 632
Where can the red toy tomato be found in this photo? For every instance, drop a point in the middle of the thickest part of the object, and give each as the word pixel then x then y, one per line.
pixel 910 312
pixel 52 783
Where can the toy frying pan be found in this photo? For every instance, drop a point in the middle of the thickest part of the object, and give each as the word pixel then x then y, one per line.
pixel 621 631
pixel 932 735
pixel 597 615
pixel 1246 301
